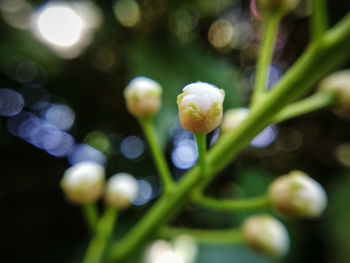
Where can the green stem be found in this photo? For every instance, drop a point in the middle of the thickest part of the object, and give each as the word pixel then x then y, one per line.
pixel 158 157
pixel 326 55
pixel 201 140
pixel 99 242
pixel 162 211
pixel 265 54
pixel 315 63
pixel 315 102
pixel 90 215
pixel 319 20
pixel 228 236
pixel 256 203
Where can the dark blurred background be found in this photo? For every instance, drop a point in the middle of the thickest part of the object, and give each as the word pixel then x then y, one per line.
pixel 61 102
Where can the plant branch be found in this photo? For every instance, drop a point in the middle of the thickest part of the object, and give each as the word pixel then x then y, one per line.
pixel 319 20
pixel 228 236
pixel 270 31
pixel 315 102
pixel 91 215
pixel 324 56
pixel 99 242
pixel 158 157
pixel 201 140
pixel 256 203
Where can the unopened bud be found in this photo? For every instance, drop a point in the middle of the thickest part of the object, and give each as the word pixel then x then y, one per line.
pixel 339 84
pixel 297 195
pixel 143 97
pixel 266 235
pixel 121 190
pixel 284 6
pixel 232 118
pixel 200 107
pixel 83 182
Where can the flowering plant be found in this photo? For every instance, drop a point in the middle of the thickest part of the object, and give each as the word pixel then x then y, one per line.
pixel 200 106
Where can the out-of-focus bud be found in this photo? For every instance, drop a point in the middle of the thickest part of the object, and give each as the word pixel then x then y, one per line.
pixel 339 84
pixel 183 249
pixel 121 190
pixel 200 107
pixel 143 97
pixel 284 6
pixel 266 235
pixel 83 182
pixel 232 118
pixel 297 195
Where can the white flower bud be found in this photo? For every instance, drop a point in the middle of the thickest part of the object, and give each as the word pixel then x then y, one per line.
pixel 183 249
pixel 266 235
pixel 297 195
pixel 284 6
pixel 83 182
pixel 232 118
pixel 143 97
pixel 121 190
pixel 200 107
pixel 339 83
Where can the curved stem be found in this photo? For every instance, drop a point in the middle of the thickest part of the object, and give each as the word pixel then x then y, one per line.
pixel 228 236
pixel 265 54
pixel 315 102
pixel 91 216
pixel 319 20
pixel 256 203
pixel 158 157
pixel 201 140
pixel 99 242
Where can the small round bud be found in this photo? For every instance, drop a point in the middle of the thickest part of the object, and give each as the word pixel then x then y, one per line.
pixel 339 83
pixel 83 182
pixel 266 235
pixel 232 118
pixel 284 6
pixel 297 195
pixel 121 190
pixel 143 97
pixel 200 107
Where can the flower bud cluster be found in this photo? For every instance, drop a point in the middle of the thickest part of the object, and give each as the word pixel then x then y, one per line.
pixel 84 183
pixel 295 195
pixel 183 249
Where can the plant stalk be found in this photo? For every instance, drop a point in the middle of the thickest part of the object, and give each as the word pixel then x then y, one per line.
pixel 270 31
pixel 91 216
pixel 256 203
pixel 99 242
pixel 158 157
pixel 319 19
pixel 319 100
pixel 201 140
pixel 227 236
pixel 324 56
